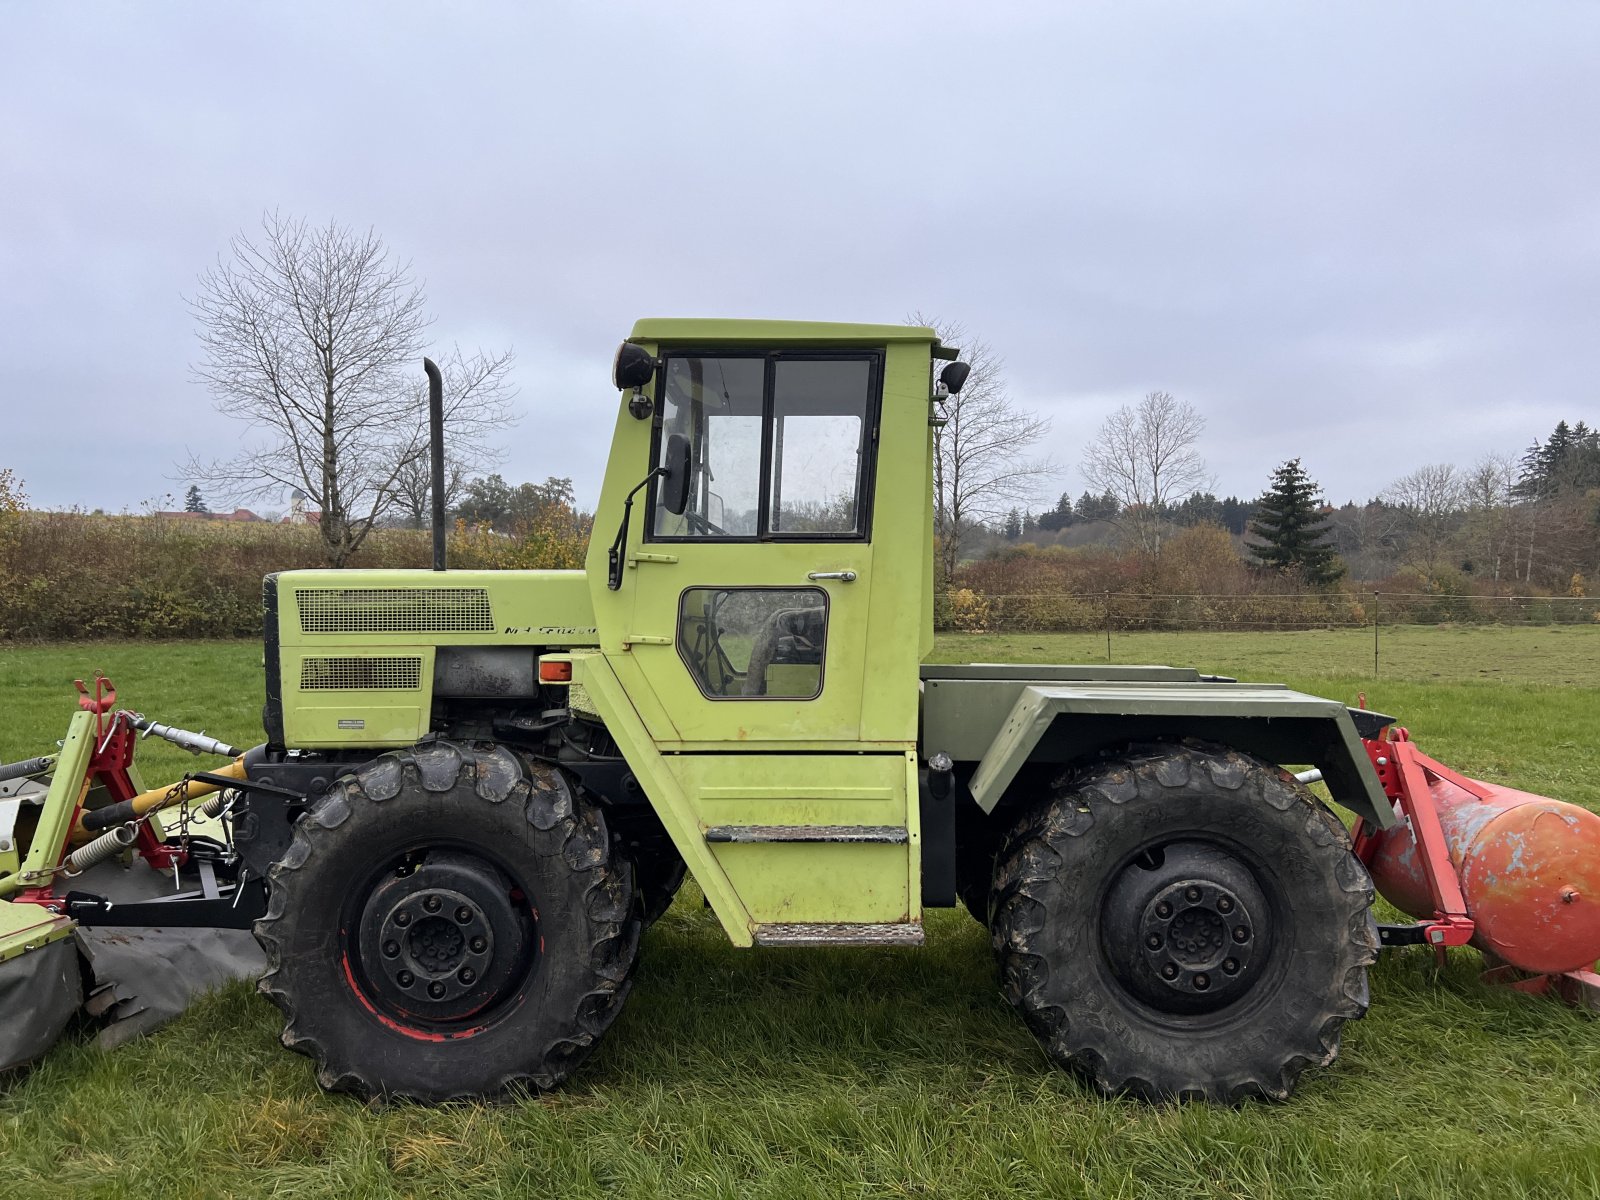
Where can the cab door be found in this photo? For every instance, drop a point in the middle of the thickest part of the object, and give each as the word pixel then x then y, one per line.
pixel 750 606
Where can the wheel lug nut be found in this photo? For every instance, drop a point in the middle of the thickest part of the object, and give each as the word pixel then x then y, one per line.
pixel 390 949
pixel 1163 910
pixel 1202 982
pixel 1170 971
pixel 402 918
pixel 436 990
pixel 1191 894
pixel 405 978
pixel 1153 941
pixel 479 945
pixel 463 915
pixel 1224 905
pixel 431 903
pixel 1230 966
pixel 1241 933
pixel 466 975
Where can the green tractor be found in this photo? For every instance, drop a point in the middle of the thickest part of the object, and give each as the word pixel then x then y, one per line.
pixel 478 788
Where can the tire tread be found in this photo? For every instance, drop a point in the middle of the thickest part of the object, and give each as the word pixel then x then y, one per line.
pixel 1039 847
pixel 550 806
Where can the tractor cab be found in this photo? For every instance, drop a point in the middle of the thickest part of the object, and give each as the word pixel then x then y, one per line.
pixel 765 602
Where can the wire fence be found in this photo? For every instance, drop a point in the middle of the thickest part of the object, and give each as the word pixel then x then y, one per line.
pixel 1110 614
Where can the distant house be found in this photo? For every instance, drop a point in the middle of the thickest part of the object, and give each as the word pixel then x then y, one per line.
pixel 238 514
pixel 299 514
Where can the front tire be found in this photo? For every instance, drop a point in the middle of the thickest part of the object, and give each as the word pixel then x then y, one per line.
pixel 1184 922
pixel 449 922
pixel 657 876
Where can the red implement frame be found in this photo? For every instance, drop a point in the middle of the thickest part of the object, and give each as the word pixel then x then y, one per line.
pixel 112 760
pixel 1404 772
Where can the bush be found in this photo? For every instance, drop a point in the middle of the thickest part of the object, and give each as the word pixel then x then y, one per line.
pixel 73 575
pixel 968 611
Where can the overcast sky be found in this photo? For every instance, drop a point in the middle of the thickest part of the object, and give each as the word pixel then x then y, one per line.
pixel 1366 234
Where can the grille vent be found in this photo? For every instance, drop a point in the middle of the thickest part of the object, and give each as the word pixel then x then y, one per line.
pixel 351 674
pixel 395 610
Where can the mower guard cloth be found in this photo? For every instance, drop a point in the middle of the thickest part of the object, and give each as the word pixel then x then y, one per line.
pixel 39 993
pixel 143 977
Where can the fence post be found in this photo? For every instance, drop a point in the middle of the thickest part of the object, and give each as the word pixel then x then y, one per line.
pixel 1375 634
pixel 1108 624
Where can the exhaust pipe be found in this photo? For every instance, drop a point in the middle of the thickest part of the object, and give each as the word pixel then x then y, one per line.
pixel 436 456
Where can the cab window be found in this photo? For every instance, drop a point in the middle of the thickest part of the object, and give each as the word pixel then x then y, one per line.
pixel 754 643
pixel 780 445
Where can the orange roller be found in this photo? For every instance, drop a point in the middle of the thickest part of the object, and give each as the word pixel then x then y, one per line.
pixel 1528 866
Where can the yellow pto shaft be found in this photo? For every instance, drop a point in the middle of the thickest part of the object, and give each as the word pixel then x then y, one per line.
pixel 96 821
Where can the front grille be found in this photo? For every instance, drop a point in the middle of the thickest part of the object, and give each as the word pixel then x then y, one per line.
pixel 395 610
pixel 351 674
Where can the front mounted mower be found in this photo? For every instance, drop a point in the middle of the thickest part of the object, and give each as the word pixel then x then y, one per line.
pixel 65 822
pixel 478 788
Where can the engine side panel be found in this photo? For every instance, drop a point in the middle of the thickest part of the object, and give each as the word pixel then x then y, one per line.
pixel 357 658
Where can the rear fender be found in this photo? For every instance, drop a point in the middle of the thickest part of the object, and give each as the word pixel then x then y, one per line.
pixel 1067 722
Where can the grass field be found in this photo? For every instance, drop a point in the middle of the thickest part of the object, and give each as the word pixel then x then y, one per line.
pixel 867 1072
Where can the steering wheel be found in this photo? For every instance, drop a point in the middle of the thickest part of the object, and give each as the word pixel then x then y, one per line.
pixel 706 526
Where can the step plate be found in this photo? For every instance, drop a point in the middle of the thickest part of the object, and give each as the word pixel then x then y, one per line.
pixel 892 835
pixel 838 935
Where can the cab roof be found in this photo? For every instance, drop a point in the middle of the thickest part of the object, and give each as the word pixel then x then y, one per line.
pixel 731 332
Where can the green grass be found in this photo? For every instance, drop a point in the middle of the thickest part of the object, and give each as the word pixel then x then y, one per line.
pixel 1568 655
pixel 865 1073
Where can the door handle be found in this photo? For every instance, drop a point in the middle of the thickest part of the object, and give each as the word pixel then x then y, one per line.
pixel 841 576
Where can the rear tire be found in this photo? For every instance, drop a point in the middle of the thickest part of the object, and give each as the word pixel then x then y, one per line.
pixel 1184 923
pixel 978 837
pixel 448 923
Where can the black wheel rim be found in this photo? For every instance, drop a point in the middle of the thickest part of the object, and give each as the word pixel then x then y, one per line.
pixel 440 942
pixel 1187 929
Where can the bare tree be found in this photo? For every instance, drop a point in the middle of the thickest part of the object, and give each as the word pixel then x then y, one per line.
pixel 1366 536
pixel 1429 500
pixel 312 338
pixel 1486 490
pixel 1145 456
pixel 477 409
pixel 981 465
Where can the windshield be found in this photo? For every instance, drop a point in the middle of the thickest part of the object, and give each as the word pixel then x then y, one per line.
pixel 778 445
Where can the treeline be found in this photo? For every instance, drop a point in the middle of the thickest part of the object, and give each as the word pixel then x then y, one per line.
pixel 1202 508
pixel 1502 525
pixel 1528 525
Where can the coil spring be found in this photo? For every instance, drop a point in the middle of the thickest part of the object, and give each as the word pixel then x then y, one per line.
pixel 215 804
pixel 108 845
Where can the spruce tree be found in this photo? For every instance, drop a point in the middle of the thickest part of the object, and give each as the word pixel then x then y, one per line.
pixel 193 501
pixel 1293 533
pixel 1058 517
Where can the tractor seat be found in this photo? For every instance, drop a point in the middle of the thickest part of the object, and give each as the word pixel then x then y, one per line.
pixel 791 635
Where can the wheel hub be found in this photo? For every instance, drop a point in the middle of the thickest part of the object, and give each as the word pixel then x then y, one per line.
pixel 1184 928
pixel 436 943
pixel 445 940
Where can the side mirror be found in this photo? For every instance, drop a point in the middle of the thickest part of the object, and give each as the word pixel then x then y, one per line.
pixel 954 376
pixel 632 367
pixel 675 477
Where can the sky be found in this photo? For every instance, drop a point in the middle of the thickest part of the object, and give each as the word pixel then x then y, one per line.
pixel 1364 234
